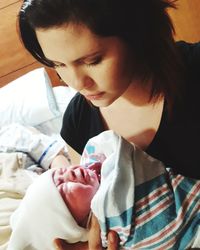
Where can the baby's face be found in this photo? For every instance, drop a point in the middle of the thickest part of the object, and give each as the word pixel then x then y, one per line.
pixel 77 186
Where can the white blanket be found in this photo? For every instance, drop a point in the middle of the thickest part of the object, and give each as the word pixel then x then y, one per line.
pixel 21 148
pixel 27 139
pixel 149 206
pixel 14 181
pixel 42 217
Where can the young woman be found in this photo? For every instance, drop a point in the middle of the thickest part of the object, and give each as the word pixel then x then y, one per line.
pixel 130 75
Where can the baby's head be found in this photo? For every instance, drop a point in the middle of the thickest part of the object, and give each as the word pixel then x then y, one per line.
pixel 56 205
pixel 77 185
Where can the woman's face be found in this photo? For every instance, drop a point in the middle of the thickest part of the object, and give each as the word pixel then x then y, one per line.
pixel 99 68
pixel 77 186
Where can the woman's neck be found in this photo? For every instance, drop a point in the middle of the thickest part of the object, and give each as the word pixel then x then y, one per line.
pixel 133 116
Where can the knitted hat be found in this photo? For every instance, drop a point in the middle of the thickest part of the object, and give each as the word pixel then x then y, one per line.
pixel 43 216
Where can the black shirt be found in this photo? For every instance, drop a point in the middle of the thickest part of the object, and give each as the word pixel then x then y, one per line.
pixel 177 140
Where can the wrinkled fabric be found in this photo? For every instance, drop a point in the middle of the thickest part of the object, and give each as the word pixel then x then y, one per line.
pixel 148 205
pixel 14 181
pixel 42 217
pixel 27 139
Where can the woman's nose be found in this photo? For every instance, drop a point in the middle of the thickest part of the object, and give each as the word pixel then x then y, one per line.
pixel 81 81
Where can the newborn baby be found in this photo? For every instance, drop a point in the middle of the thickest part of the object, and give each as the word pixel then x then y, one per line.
pixel 77 185
pixel 56 205
pixel 148 205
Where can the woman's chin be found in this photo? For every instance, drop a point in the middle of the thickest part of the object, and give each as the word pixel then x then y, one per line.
pixel 102 103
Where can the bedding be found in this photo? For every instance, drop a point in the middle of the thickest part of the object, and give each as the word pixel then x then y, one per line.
pixel 31 100
pixel 31 113
pixel 63 95
pixel 28 100
pixel 25 153
pixel 153 209
pixel 12 190
pixel 147 204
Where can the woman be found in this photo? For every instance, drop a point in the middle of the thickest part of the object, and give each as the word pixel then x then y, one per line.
pixel 130 75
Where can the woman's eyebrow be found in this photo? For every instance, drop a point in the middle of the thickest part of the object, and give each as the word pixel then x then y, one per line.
pixel 87 56
pixel 97 53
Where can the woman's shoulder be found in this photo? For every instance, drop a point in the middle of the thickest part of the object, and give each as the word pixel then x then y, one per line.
pixel 190 56
pixel 190 53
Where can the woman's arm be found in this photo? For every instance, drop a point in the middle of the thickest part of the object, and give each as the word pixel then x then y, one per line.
pixel 94 241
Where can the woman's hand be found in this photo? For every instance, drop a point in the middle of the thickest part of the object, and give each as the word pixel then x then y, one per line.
pixel 62 245
pixel 94 241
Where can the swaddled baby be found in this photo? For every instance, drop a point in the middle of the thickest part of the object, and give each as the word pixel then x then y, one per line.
pixel 148 205
pixel 56 205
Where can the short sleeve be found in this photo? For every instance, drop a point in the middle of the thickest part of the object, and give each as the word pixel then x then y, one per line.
pixel 81 121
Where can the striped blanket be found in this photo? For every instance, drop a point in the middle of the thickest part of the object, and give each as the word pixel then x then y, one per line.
pixel 148 205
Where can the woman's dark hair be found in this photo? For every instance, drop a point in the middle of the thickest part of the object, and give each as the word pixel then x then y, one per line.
pixel 143 24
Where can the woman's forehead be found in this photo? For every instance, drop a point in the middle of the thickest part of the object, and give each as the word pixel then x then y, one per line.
pixel 68 44
pixel 75 42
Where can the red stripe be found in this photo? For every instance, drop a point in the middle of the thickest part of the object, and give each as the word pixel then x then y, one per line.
pixel 147 216
pixel 186 204
pixel 148 199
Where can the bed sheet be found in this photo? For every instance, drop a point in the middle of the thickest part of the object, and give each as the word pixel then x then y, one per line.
pixel 25 153
pixel 19 166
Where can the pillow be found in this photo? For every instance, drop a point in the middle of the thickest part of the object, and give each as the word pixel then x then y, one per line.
pixel 63 95
pixel 28 100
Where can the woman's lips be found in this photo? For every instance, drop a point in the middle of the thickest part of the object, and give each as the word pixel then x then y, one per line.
pixel 95 96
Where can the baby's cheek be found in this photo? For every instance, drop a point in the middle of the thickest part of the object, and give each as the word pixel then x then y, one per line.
pixel 59 189
pixel 95 186
pixel 83 194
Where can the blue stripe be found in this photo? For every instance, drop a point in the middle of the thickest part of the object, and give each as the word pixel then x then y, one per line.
pixel 146 188
pixel 185 232
pixel 123 220
pixel 45 152
pixel 150 205
pixel 153 226
pixel 90 149
pixel 164 218
pixel 188 234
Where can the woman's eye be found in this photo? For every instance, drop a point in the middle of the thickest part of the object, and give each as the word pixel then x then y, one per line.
pixel 94 62
pixel 59 65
